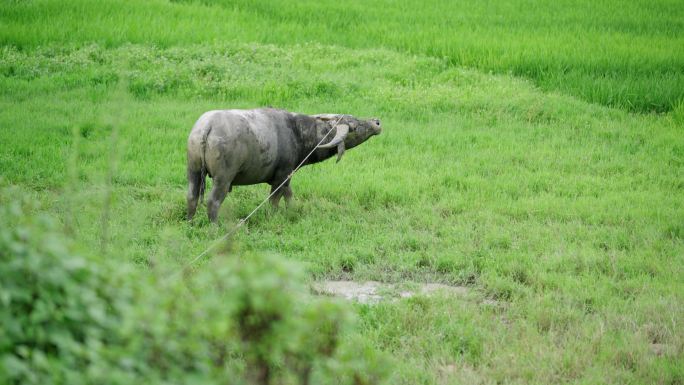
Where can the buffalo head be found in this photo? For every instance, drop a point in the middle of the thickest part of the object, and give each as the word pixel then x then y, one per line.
pixel 349 131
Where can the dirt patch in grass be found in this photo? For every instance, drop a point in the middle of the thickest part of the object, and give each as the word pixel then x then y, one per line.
pixel 373 292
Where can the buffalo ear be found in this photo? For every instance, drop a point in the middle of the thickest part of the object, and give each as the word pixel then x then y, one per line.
pixel 340 151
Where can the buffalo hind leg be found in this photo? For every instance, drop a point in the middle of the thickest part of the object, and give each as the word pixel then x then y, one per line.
pixel 195 186
pixel 216 197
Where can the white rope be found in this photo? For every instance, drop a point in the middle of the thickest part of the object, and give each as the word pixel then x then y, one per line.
pixel 243 220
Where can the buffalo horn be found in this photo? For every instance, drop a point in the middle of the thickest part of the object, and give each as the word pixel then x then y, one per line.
pixel 342 131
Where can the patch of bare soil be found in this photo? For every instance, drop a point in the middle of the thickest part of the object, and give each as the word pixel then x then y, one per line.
pixel 373 292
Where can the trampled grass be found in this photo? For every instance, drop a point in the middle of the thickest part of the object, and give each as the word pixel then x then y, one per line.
pixel 627 55
pixel 566 216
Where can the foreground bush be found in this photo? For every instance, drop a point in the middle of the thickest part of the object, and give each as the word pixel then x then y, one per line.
pixel 66 319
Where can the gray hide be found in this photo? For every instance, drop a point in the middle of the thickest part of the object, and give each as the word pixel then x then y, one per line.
pixel 242 147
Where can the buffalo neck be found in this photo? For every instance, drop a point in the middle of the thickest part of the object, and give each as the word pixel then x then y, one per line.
pixel 309 132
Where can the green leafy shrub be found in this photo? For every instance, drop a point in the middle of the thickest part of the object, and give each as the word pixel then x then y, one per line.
pixel 66 319
pixel 58 312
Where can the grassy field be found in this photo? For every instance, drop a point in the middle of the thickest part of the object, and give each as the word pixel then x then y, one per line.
pixel 519 158
pixel 629 56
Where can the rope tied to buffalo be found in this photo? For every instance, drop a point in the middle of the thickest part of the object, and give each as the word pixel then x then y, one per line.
pixel 246 218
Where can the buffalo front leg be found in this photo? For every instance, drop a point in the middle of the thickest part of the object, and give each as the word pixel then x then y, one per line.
pixel 216 197
pixel 284 191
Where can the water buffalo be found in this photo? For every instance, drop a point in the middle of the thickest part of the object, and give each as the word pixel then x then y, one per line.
pixel 243 147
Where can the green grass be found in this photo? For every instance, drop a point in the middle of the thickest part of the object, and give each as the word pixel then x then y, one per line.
pixel 628 55
pixel 566 213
